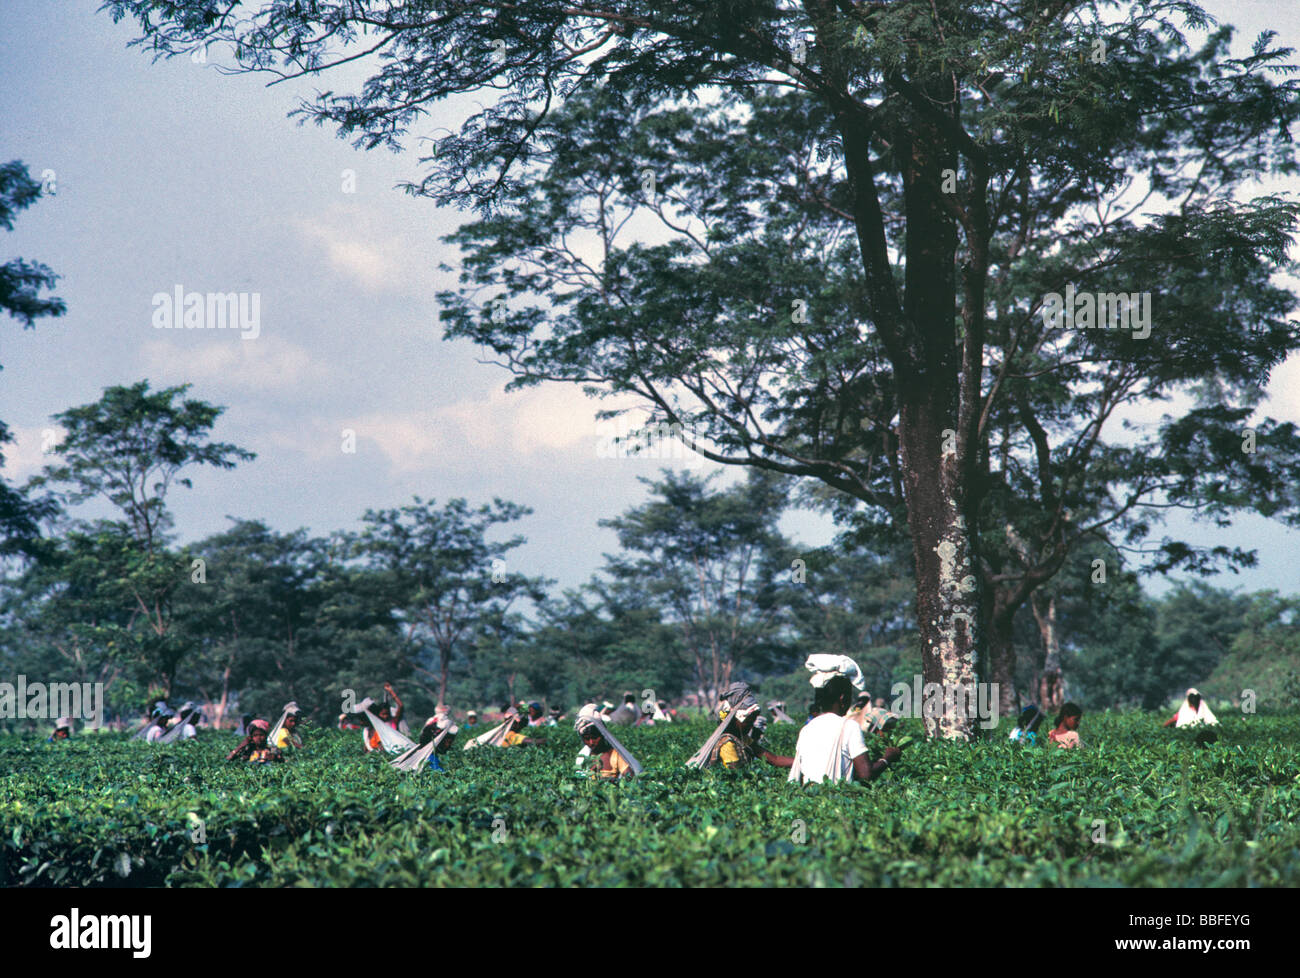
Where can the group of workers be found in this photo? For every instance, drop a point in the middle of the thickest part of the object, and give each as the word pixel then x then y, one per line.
pixel 832 744
pixel 1193 712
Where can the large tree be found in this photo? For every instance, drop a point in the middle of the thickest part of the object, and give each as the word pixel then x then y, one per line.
pixel 841 260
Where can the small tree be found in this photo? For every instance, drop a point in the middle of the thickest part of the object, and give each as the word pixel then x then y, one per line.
pixel 706 559
pixel 129 448
pixel 440 575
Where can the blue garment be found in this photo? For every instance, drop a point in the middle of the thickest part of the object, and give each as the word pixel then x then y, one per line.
pixel 433 763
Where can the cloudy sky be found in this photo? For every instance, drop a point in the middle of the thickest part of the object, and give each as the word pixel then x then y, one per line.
pixel 173 174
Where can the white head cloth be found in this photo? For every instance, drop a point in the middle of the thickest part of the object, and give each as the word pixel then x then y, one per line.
pixel 589 717
pixel 290 708
pixel 825 666
pixel 1188 717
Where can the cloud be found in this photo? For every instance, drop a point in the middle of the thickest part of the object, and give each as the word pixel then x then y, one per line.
pixel 540 423
pixel 262 363
pixel 371 255
pixel 1284 391
pixel 28 453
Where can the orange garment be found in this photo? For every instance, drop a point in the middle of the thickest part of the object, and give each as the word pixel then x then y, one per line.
pixel 373 738
pixel 617 766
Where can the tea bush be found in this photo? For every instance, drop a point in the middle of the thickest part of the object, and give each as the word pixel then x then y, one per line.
pixel 1140 806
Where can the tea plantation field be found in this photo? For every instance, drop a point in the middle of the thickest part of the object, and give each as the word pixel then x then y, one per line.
pixel 102 811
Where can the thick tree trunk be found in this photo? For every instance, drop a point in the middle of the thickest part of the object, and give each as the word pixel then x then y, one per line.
pixel 932 441
pixel 947 599
pixel 937 372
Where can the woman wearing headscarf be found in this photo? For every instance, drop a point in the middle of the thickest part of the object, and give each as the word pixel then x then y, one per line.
pixel 735 742
pixel 613 760
pixel 1193 712
pixel 184 727
pixel 161 717
pixel 514 735
pixel 390 716
pixel 286 736
pixel 254 747
pixel 436 737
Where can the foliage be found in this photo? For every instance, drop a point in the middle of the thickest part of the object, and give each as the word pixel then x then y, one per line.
pixel 100 811
pixel 704 559
pixel 440 577
pixel 21 283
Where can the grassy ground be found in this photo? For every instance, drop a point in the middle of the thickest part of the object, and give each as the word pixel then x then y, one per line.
pixel 1140 806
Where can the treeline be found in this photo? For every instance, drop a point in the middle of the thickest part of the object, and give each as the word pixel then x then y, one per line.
pixel 704 589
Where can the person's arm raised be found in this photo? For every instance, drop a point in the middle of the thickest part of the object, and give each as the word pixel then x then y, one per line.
pixel 397 713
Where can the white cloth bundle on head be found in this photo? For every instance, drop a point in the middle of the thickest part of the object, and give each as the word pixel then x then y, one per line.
pixel 589 717
pixel 825 666
pixel 1188 717
pixel 290 707
pixel 391 741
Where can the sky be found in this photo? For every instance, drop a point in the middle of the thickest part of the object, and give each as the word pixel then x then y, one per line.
pixel 172 174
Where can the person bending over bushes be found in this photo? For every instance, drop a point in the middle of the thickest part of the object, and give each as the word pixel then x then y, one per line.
pixel 254 748
pixel 831 747
pixel 515 736
pixel 736 741
pixel 613 760
pixel 1026 730
pixel 441 728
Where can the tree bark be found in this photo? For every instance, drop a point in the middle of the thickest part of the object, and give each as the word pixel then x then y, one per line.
pixel 932 442
pixel 947 599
